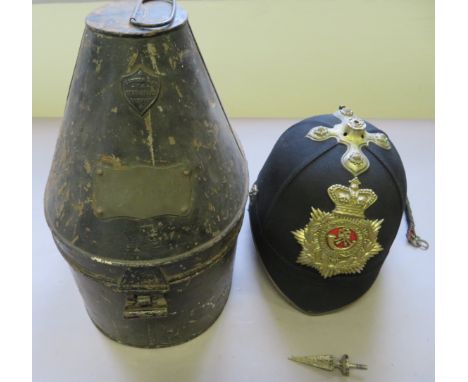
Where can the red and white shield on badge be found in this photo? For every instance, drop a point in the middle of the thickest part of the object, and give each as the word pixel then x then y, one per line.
pixel 341 238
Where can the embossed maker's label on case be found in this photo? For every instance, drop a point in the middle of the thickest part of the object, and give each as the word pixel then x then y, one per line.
pixel 141 90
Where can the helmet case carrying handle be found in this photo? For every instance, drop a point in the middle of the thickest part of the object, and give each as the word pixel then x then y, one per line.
pixel 133 19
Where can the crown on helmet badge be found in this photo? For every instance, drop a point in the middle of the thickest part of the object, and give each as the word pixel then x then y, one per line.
pixel 341 241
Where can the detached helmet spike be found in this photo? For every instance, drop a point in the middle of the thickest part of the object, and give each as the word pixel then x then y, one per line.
pixel 326 208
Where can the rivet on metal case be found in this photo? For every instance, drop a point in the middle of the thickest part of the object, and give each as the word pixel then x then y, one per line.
pixel 329 363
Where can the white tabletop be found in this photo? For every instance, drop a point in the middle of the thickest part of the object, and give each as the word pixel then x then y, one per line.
pixel 390 328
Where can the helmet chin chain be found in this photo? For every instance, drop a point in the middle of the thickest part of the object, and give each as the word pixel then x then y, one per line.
pixel 411 235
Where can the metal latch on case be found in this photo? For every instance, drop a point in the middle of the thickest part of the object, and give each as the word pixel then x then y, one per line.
pixel 145 306
pixel 145 289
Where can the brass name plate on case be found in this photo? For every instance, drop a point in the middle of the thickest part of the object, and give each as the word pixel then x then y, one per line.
pixel 142 192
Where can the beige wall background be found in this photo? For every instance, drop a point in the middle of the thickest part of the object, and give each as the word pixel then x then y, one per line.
pixel 291 58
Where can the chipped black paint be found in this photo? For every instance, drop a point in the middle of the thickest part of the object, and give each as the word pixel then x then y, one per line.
pixel 145 100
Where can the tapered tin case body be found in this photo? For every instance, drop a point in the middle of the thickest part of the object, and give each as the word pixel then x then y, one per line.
pixel 146 193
